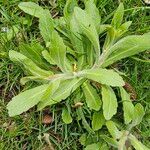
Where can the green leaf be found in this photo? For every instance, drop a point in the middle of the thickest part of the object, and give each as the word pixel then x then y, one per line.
pixel 31 8
pixel 92 147
pixel 77 42
pixel 103 76
pixel 137 144
pixel 128 107
pixel 25 100
pixel 138 114
pixel 34 52
pixel 66 116
pixel 98 120
pixel 87 26
pixel 124 27
pixel 52 87
pixel 93 11
pixel 110 141
pixel 126 47
pixel 92 98
pixel 29 64
pixel 109 102
pixel 46 26
pixel 110 38
pixel 58 51
pixel 47 57
pixel 113 130
pixel 65 89
pixel 69 8
pixel 26 79
pixel 118 16
pixel 82 139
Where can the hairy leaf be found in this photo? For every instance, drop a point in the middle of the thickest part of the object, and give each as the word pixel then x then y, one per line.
pixel 31 8
pixel 29 64
pixel 93 11
pixel 46 26
pixel 34 52
pixel 98 120
pixel 69 8
pixel 103 76
pixel 128 107
pixel 109 102
pixel 138 114
pixel 126 47
pixel 58 51
pixel 26 79
pixel 47 57
pixel 86 24
pixel 92 98
pixel 118 16
pixel 113 130
pixel 25 100
pixel 137 144
pixel 65 89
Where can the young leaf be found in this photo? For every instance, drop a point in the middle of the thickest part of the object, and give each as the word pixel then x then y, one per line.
pixel 124 27
pixel 93 11
pixel 66 116
pixel 136 143
pixel 113 130
pixel 138 114
pixel 31 8
pixel 128 107
pixel 69 8
pixel 118 16
pixel 65 89
pixel 46 26
pixel 86 24
pixel 58 51
pixel 98 120
pixel 110 38
pixel 25 100
pixel 126 47
pixel 103 76
pixel 109 102
pixel 29 64
pixel 92 98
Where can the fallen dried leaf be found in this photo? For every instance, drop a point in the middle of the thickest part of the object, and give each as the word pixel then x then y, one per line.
pixel 47 119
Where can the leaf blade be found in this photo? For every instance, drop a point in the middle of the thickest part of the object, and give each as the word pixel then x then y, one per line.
pixel 103 76
pixel 109 102
pixel 25 100
pixel 92 98
pixel 98 120
pixel 31 8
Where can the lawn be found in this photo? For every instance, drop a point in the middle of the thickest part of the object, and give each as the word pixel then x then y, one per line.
pixel 45 129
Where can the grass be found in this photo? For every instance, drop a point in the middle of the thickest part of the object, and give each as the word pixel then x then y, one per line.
pixel 26 131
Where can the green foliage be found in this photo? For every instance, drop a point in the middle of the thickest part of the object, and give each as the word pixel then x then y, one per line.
pixel 72 65
pixel 109 102
pixel 92 98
